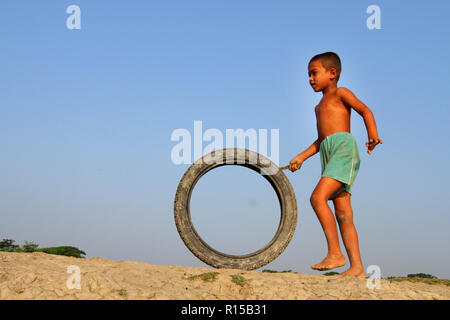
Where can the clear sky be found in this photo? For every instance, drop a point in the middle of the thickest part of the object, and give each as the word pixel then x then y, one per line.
pixel 87 115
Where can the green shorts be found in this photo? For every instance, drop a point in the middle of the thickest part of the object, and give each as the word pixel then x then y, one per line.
pixel 339 157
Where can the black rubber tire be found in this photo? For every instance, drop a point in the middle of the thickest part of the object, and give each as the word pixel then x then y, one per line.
pixel 278 180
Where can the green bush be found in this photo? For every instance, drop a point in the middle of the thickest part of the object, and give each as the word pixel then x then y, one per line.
pixel 64 251
pixel 9 246
pixel 421 275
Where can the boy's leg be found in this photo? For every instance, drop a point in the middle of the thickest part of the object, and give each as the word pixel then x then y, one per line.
pixel 344 216
pixel 319 201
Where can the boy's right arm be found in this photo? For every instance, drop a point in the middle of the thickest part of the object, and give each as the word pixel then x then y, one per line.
pixel 296 163
pixel 369 120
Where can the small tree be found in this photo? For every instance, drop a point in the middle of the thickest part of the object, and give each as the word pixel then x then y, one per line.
pixel 8 245
pixel 30 246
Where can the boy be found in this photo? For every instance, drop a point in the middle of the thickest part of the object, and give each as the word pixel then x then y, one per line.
pixel 339 159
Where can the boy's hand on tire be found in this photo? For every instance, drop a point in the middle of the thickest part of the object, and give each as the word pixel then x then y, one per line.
pixel 295 164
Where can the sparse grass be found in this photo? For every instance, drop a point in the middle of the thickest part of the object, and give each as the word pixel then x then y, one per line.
pixel 421 277
pixel 274 271
pixel 122 293
pixel 332 273
pixel 239 280
pixel 208 276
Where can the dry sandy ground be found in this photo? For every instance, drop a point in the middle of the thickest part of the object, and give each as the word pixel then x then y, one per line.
pixel 45 276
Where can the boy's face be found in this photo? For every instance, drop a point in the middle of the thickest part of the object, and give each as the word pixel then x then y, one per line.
pixel 319 77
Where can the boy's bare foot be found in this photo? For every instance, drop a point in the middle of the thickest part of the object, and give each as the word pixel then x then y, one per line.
pixel 354 271
pixel 330 262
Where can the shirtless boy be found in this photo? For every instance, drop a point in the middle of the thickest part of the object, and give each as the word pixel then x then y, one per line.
pixel 339 159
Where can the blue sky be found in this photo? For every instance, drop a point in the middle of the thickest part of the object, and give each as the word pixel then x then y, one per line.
pixel 87 115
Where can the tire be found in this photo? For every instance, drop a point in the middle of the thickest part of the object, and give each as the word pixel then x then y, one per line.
pixel 262 165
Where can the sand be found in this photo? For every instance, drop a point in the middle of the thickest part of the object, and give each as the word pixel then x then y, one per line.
pixel 40 276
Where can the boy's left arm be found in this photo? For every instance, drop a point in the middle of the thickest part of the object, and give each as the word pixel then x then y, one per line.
pixel 349 99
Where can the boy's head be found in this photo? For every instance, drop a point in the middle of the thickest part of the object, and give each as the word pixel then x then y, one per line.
pixel 324 68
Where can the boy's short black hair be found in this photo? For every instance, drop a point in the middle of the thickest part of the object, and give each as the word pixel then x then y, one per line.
pixel 329 60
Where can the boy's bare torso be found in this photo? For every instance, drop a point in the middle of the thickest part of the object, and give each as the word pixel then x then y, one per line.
pixel 332 115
